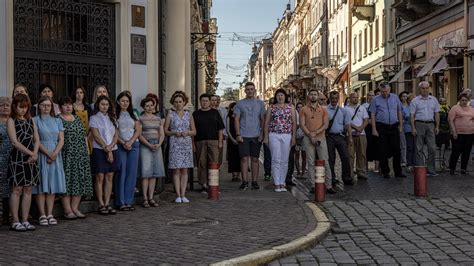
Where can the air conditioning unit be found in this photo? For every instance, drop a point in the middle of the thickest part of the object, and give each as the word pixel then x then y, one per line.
pixel 407 55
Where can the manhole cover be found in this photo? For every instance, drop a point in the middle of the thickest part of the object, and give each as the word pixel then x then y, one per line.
pixel 194 222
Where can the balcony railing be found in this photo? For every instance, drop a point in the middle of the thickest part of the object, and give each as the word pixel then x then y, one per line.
pixel 364 9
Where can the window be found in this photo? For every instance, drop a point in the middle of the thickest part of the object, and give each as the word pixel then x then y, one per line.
pixel 337 45
pixel 365 42
pixel 384 26
pixel 342 42
pixel 355 49
pixel 360 46
pixel 371 38
pixel 347 41
pixel 376 22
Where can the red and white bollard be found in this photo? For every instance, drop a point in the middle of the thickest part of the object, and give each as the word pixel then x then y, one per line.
pixel 319 181
pixel 213 181
pixel 421 186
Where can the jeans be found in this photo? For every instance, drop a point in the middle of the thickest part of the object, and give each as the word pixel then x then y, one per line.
pixel 338 142
pixel 126 179
pixel 267 160
pixel 280 145
pixel 410 141
pixel 403 148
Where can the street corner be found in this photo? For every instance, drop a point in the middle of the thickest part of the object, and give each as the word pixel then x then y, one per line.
pixel 320 230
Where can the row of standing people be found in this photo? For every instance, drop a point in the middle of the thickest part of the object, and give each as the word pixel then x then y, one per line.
pixel 51 154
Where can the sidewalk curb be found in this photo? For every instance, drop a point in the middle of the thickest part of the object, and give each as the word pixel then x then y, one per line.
pixel 265 256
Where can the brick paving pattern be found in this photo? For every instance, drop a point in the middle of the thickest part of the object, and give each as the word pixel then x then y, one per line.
pixel 241 222
pixel 379 221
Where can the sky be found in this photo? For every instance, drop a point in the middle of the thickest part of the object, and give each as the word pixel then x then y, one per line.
pixel 247 18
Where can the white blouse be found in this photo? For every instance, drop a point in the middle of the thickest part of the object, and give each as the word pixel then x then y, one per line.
pixel 126 126
pixel 106 129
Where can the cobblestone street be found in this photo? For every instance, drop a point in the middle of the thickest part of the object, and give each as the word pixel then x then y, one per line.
pixel 379 221
pixel 201 232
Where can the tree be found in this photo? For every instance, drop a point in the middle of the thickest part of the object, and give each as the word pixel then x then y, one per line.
pixel 230 94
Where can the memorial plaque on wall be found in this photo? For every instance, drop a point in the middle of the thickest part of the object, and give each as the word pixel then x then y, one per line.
pixel 138 49
pixel 138 16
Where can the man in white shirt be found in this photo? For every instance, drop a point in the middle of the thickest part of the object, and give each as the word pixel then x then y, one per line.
pixel 215 103
pixel 358 147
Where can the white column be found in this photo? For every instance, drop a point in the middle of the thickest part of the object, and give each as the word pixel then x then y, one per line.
pixel 178 50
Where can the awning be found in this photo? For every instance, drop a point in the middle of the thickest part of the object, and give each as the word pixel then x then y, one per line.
pixel 330 72
pixel 428 66
pixel 440 66
pixel 341 74
pixel 399 74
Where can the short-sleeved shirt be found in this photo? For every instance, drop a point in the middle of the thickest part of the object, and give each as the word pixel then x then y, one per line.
pixel 106 129
pixel 340 121
pixel 126 126
pixel 280 120
pixel 358 118
pixel 223 113
pixel 314 118
pixel 207 123
pixel 151 126
pixel 406 118
pixel 424 108
pixel 251 111
pixel 463 119
pixel 386 109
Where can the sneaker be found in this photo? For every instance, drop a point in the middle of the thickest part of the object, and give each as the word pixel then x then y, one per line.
pixel 204 190
pixel 277 189
pixel 184 200
pixel 283 189
pixel 244 185
pixel 432 174
pixel 178 200
pixel 255 185
pixel 267 177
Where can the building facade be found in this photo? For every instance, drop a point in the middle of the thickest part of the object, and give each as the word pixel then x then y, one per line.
pixel 138 45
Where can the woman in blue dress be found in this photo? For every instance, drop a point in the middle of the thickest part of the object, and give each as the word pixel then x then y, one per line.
pixel 52 177
pixel 179 126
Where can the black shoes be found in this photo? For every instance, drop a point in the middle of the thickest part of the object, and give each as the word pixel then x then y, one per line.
pixel 463 172
pixel 255 185
pixel 244 185
pixel 349 182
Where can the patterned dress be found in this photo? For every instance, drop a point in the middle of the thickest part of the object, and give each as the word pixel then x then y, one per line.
pixel 75 159
pixel 19 172
pixel 5 147
pixel 52 176
pixel 181 149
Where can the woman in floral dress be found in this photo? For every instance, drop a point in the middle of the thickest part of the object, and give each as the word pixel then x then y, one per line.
pixel 75 160
pixel 179 126
pixel 5 147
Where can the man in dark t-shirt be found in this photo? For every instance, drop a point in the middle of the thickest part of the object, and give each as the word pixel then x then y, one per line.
pixel 208 139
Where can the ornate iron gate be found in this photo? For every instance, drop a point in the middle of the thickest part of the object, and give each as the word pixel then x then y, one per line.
pixel 65 43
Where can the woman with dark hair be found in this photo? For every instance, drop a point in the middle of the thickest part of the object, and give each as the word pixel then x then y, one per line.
pixel 52 178
pixel 129 130
pixel 75 160
pixel 45 90
pixel 151 156
pixel 23 172
pixel 280 134
pixel 104 157
pixel 233 157
pixel 5 147
pixel 179 125
pixel 407 141
pixel 19 89
pixel 461 122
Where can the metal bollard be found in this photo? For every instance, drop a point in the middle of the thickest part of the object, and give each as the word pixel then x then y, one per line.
pixel 213 181
pixel 421 189
pixel 319 181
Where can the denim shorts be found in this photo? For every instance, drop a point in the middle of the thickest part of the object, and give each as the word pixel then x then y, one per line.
pixel 151 162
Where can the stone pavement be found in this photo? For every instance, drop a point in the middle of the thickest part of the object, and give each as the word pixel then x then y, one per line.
pixel 379 221
pixel 201 232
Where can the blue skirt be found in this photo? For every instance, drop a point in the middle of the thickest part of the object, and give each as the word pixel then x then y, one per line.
pixel 99 162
